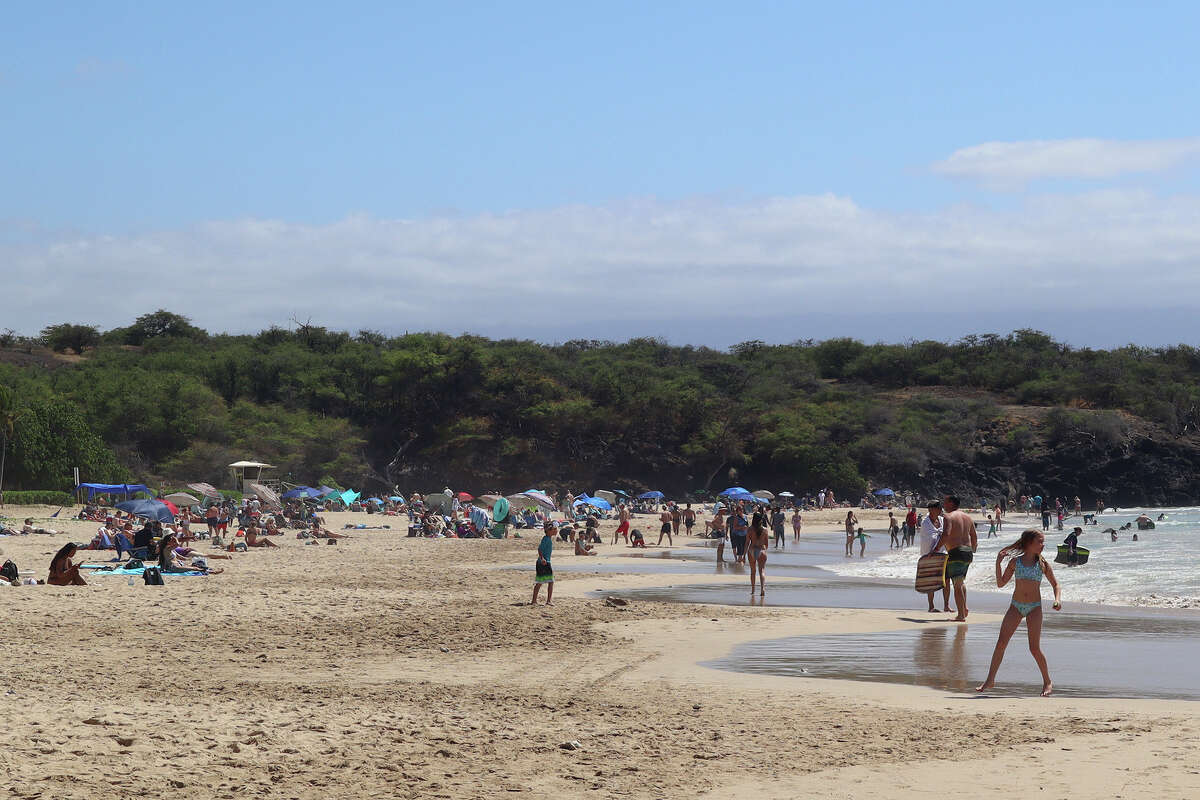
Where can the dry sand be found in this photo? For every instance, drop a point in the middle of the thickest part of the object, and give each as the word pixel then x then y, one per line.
pixel 394 667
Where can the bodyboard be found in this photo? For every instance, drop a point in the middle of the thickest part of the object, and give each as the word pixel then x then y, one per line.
pixel 1064 555
pixel 931 572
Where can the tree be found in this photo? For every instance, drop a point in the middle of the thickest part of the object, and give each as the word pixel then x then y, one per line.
pixel 161 323
pixel 67 336
pixel 8 420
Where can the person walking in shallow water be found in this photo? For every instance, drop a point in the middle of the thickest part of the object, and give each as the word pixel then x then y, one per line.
pixel 1028 567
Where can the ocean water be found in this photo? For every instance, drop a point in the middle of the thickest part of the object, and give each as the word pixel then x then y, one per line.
pixel 1161 569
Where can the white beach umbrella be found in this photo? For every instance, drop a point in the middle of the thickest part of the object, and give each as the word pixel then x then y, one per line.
pixel 764 494
pixel 181 499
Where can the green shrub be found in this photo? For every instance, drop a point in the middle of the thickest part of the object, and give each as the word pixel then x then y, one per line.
pixel 39 498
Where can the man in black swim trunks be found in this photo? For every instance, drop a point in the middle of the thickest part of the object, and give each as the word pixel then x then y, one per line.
pixel 960 542
pixel 665 530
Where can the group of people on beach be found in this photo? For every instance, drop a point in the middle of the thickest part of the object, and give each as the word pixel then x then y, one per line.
pixel 948 529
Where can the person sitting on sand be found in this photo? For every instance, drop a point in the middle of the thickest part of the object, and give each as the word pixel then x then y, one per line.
pixel 170 554
pixel 253 540
pixel 62 571
pixel 583 547
pixel 1028 567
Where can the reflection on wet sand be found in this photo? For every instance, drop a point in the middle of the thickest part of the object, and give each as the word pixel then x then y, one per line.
pixel 1091 655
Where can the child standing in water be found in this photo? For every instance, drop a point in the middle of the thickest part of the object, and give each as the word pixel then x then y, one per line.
pixel 1028 567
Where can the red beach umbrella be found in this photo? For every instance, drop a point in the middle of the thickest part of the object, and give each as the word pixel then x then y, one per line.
pixel 465 497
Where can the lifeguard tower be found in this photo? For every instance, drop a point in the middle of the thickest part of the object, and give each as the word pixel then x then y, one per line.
pixel 247 472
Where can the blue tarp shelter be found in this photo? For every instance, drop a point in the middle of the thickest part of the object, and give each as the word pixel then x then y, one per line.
pixel 125 489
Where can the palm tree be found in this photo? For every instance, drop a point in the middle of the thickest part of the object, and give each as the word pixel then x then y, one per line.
pixel 8 419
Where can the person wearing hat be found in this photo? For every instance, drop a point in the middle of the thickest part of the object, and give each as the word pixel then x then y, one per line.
pixel 1072 542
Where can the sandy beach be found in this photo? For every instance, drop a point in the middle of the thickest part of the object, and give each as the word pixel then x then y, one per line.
pixel 398 667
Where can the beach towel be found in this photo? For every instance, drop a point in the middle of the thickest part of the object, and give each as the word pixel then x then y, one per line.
pixel 110 569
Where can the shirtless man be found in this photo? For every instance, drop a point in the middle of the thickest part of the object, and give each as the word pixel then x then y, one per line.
pixel 960 543
pixel 623 527
pixel 665 519
pixel 689 519
pixel 756 554
pixel 676 518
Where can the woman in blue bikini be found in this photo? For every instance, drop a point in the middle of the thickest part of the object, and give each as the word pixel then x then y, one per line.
pixel 1028 567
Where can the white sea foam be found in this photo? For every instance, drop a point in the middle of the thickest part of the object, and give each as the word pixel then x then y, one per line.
pixel 1162 569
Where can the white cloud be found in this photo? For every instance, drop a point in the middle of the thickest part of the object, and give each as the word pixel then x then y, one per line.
pixel 526 273
pixel 1012 164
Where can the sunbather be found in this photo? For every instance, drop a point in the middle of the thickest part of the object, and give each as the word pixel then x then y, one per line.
pixel 253 540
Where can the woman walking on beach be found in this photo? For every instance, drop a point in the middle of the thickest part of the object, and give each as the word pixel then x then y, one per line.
pixel 756 552
pixel 544 573
pixel 1028 567
pixel 797 523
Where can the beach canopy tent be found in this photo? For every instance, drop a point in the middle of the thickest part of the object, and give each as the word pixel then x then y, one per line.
pixel 541 498
pixel 125 489
pixel 651 496
pixel 884 493
pixel 180 499
pixel 206 490
pixel 349 496
pixel 734 490
pixel 149 509
pixel 301 491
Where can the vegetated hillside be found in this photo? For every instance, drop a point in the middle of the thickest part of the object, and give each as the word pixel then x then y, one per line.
pixel 988 414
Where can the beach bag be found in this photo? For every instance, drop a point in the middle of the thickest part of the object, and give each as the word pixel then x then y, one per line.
pixel 9 571
pixel 152 576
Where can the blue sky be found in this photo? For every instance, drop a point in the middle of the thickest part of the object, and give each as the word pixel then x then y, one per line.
pixel 824 150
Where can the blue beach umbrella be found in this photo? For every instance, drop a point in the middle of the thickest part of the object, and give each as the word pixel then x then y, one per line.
pixel 651 496
pixel 595 502
pixel 396 498
pixel 301 491
pixel 734 490
pixel 150 509
pixel 884 493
